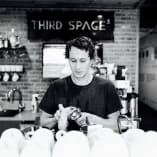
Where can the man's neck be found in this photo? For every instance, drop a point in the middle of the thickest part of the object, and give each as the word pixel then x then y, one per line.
pixel 82 81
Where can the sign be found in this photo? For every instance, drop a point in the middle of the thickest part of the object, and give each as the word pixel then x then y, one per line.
pixel 66 25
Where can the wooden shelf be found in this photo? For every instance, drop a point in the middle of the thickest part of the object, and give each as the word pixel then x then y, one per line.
pixel 12 54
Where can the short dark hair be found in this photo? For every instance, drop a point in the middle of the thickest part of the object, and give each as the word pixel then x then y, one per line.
pixel 83 43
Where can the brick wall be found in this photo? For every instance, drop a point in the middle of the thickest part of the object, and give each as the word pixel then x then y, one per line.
pixel 124 50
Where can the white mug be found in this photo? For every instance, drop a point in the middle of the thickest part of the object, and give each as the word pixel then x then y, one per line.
pixel 6 77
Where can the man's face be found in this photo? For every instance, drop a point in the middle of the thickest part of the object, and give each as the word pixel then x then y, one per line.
pixel 79 62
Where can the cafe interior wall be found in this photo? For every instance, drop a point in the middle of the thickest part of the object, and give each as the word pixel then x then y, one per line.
pixel 122 51
pixel 147 69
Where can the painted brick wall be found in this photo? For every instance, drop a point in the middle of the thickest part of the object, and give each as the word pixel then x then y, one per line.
pixel 123 51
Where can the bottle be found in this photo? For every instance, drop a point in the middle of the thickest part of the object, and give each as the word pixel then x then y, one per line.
pixel 35 103
pixel 12 38
pixel 77 114
pixel 133 104
pixel 17 41
pixel 1 42
pixel 124 103
pixel 6 43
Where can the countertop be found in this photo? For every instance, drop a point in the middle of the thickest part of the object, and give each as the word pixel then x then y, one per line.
pixel 23 116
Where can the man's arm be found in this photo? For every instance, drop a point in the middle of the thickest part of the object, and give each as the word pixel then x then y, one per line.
pixel 60 118
pixel 111 122
pixel 47 120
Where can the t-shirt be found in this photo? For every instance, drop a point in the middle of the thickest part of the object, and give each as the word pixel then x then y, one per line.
pixel 99 97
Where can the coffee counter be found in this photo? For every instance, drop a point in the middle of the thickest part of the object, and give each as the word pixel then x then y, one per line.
pixel 23 116
pixel 22 120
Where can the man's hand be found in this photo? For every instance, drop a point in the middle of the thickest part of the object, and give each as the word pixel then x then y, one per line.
pixel 83 119
pixel 61 110
pixel 110 122
pixel 88 118
pixel 62 115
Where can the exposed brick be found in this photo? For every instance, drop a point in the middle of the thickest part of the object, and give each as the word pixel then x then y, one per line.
pixel 121 51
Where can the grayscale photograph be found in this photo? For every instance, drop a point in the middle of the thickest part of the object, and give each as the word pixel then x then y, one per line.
pixel 78 78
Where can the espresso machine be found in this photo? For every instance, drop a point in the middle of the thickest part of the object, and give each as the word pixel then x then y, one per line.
pixel 118 74
pixel 129 115
pixel 129 99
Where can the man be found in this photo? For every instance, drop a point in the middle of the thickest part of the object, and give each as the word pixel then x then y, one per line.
pixel 96 97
